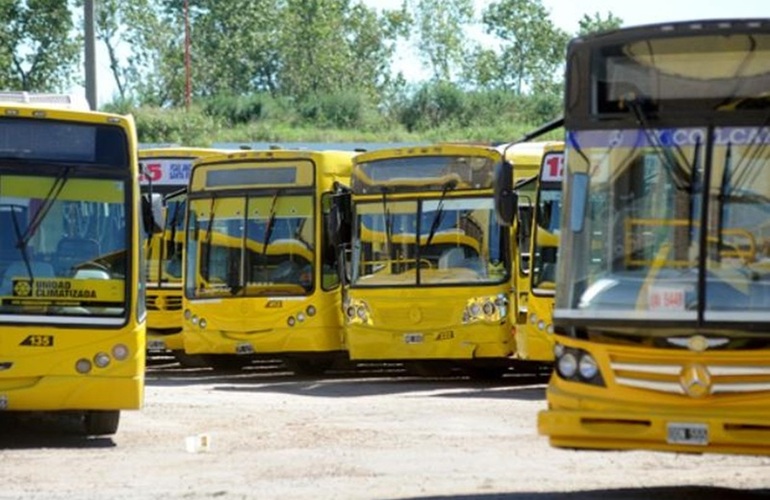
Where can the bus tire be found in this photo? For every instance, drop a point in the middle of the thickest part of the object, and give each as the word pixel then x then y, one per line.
pixel 308 367
pixel 101 422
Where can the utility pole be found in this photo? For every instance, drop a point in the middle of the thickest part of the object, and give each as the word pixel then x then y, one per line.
pixel 90 53
pixel 187 76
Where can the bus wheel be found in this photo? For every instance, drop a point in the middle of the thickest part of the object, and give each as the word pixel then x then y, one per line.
pixel 308 367
pixel 430 368
pixel 486 372
pixel 225 362
pixel 190 360
pixel 101 423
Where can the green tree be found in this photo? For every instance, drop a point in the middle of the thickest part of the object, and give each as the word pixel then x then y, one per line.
pixel 237 46
pixel 596 23
pixel 441 34
pixel 532 48
pixel 39 49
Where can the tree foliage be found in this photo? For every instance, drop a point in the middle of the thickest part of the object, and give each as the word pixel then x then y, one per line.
pixel 38 47
pixel 441 35
pixel 532 48
pixel 596 23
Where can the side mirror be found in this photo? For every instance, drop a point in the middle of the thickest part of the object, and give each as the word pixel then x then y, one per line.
pixel 340 215
pixel 506 199
pixel 152 213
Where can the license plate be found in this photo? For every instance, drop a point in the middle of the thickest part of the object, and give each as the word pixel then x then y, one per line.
pixel 156 345
pixel 413 338
pixel 683 433
pixel 244 348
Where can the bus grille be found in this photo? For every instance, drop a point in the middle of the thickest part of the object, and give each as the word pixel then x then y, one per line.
pixel 692 378
pixel 167 303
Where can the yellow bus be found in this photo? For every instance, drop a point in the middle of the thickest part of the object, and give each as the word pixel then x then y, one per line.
pixel 430 267
pixel 534 328
pixel 662 313
pixel 261 275
pixel 166 171
pixel 72 310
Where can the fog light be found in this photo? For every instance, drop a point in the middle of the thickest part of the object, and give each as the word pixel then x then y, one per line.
pixel 83 366
pixel 567 365
pixel 310 310
pixel 202 323
pixel 291 321
pixel 119 352
pixel 102 359
pixel 588 367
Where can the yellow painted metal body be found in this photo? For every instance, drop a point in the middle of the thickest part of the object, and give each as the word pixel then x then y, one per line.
pixel 164 287
pixel 622 416
pixel 534 327
pixel 273 318
pixel 406 322
pixel 38 358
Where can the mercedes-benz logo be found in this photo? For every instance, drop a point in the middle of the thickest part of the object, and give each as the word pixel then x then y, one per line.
pixel 695 379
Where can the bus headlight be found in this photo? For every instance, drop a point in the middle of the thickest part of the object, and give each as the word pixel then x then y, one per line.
pixel 202 323
pixel 587 366
pixel 492 309
pixel 83 366
pixel 310 310
pixel 300 317
pixel 291 321
pixel 120 352
pixel 187 314
pixel 567 365
pixel 102 359
pixel 194 320
pixel 577 365
pixel 358 312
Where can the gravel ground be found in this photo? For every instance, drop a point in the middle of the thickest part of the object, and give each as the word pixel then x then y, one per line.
pixel 365 435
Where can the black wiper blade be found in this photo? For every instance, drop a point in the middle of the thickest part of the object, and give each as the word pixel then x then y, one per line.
pixel 270 222
pixel 42 212
pixel 439 211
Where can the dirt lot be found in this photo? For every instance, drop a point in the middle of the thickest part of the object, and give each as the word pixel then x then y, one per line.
pixel 370 435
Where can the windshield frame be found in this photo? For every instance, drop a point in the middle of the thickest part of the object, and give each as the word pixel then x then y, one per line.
pixel 192 246
pixel 441 204
pixel 63 314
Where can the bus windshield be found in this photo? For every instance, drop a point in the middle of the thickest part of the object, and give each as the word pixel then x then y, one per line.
pixel 427 242
pixel 667 232
pixel 62 246
pixel 257 245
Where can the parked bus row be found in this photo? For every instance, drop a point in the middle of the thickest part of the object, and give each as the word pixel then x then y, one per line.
pixel 317 256
pixel 442 257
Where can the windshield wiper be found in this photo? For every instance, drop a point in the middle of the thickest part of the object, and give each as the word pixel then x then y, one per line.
pixel 388 223
pixel 436 222
pixel 270 227
pixel 23 249
pixel 676 171
pixel 42 212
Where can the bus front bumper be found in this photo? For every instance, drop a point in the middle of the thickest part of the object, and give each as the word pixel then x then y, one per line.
pixel 603 424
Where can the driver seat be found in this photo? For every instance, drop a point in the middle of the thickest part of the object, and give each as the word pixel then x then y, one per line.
pixel 73 251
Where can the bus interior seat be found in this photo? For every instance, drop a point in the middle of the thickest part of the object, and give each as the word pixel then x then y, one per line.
pixel 452 258
pixel 72 251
